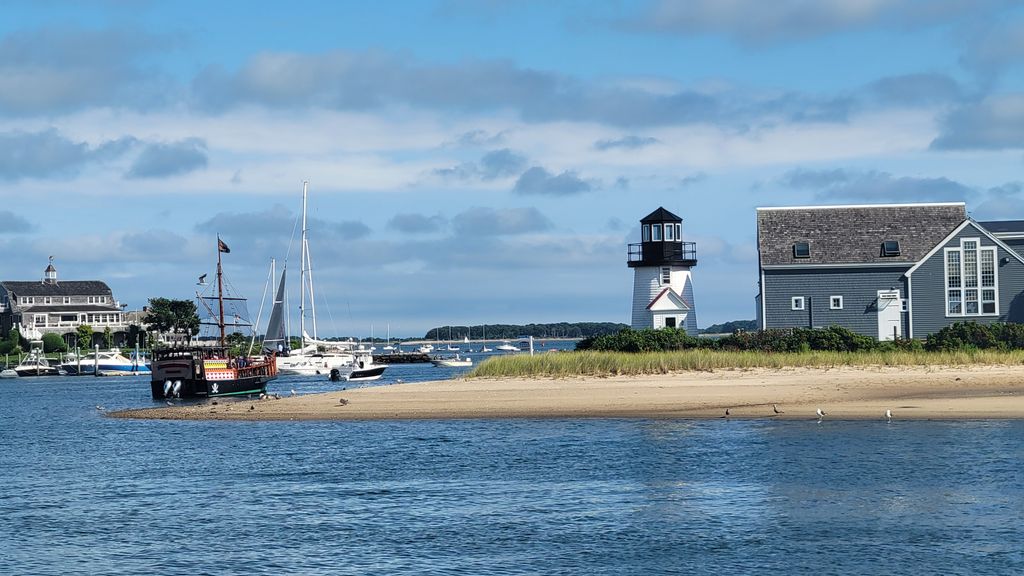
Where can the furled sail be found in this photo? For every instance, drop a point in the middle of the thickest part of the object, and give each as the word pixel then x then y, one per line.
pixel 275 340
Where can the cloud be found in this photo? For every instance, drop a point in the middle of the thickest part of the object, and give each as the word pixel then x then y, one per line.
pixel 538 181
pixel 351 230
pixel 875 187
pixel 994 123
pixel 417 223
pixel 993 49
pixel 54 70
pixel 916 89
pixel 482 222
pixel 170 159
pixel 48 154
pixel 493 165
pixel 364 81
pixel 11 223
pixel 757 22
pixel 626 142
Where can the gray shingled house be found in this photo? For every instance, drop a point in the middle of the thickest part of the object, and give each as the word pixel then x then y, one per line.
pixel 887 271
pixel 48 306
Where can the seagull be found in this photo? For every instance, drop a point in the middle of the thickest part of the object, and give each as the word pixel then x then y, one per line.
pixel 100 408
pixel 888 415
pixel 293 391
pixel 202 280
pixel 726 413
pixel 776 409
pixel 342 401
pixel 820 414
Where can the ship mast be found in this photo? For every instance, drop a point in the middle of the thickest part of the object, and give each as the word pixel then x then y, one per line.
pixel 220 293
pixel 302 270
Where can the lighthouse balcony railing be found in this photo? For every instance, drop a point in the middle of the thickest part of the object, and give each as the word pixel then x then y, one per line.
pixel 674 252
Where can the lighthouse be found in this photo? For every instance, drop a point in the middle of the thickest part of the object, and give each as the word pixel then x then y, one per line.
pixel 662 283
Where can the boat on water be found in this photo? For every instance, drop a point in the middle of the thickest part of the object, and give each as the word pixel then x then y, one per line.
pixel 506 346
pixel 211 371
pixel 36 365
pixel 425 349
pixel 452 361
pixel 361 369
pixel 107 363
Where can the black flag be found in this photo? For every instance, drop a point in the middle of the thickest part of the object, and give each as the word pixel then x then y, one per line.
pixel 222 246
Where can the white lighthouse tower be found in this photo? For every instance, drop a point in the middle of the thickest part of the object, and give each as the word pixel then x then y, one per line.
pixel 662 284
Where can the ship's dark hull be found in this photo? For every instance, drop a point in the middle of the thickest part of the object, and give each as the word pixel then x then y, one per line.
pixel 367 373
pixel 184 374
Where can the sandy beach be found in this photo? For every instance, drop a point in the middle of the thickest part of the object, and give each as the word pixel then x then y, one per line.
pixel 842 393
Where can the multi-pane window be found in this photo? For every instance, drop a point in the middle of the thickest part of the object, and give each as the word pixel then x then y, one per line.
pixel 669 232
pixel 797 303
pixel 666 275
pixel 656 232
pixel 971 280
pixel 646 232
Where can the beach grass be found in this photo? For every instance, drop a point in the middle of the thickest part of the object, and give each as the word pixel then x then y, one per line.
pixel 590 363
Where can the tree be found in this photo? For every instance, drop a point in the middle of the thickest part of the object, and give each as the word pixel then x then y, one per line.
pixel 108 338
pixel 174 316
pixel 53 343
pixel 84 336
pixel 12 345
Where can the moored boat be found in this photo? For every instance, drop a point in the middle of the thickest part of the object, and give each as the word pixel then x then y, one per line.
pixel 210 371
pixel 456 361
pixel 107 363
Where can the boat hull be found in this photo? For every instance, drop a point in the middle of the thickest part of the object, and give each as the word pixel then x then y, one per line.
pixel 364 374
pixel 184 375
pixel 41 371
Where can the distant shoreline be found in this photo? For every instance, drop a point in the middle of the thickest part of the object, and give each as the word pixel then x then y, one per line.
pixel 844 393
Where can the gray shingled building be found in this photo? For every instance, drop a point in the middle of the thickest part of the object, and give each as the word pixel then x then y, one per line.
pixel 48 306
pixel 887 271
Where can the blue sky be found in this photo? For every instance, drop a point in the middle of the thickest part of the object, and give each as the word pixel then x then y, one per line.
pixel 483 161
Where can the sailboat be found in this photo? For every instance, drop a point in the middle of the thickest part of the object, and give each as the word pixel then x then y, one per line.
pixel 449 347
pixel 318 356
pixel 485 348
pixel 210 371
pixel 387 346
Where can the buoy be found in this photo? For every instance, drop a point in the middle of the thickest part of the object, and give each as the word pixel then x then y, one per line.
pixel 177 388
pixel 167 388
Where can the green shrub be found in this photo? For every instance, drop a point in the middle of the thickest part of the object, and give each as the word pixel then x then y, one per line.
pixel 54 343
pixel 975 336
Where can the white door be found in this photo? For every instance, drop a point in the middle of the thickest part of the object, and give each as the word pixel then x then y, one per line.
pixel 890 306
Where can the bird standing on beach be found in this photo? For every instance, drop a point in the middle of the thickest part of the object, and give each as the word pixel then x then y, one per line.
pixel 726 413
pixel 820 413
pixel 776 409
pixel 293 391
pixel 888 415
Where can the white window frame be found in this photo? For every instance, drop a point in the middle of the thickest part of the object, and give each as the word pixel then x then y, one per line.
pixel 645 233
pixel 797 303
pixel 665 275
pixel 973 288
pixel 67 299
pixel 670 235
pixel 656 233
pixel 833 305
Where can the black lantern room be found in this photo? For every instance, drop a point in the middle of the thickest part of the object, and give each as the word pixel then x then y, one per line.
pixel 661 242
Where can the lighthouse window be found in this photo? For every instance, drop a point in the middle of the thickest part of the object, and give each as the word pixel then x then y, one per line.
pixel 656 232
pixel 666 275
pixel 679 232
pixel 669 232
pixel 646 232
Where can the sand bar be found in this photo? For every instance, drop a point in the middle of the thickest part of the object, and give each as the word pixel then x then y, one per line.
pixel 843 393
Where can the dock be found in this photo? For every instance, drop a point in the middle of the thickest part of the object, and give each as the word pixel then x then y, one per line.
pixel 402 358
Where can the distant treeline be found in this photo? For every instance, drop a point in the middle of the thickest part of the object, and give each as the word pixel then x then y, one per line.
pixel 512 331
pixel 730 327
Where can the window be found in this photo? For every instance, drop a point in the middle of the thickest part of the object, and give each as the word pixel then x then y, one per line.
pixel 971 279
pixel 904 305
pixel 656 232
pixel 798 303
pixel 646 232
pixel 670 232
pixel 835 302
pixel 40 319
pixel 891 248
pixel 670 322
pixel 801 250
pixel 47 300
pixel 666 275
pixel 67 299
pixel 679 231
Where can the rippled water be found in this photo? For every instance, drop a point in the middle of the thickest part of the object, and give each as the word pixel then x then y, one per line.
pixel 83 494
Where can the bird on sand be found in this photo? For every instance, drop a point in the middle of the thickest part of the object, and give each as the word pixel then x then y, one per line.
pixel 726 413
pixel 820 413
pixel 776 409
pixel 888 415
pixel 293 391
pixel 342 401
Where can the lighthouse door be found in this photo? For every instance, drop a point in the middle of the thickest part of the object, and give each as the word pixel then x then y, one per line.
pixel 889 318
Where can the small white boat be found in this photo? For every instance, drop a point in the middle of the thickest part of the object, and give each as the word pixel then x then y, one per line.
pixel 361 369
pixel 425 349
pixel 452 361
pixel 110 362
pixel 506 346
pixel 35 365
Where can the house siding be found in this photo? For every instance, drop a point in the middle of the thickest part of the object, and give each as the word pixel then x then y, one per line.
pixel 1016 243
pixel 929 289
pixel 858 286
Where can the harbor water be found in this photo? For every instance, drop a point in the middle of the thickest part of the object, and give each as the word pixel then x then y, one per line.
pixel 81 493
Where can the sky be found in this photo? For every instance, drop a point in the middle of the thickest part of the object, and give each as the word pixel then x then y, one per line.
pixel 488 161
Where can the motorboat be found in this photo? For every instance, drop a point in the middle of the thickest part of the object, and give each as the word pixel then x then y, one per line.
pixel 107 363
pixel 452 361
pixel 360 369
pixel 36 365
pixel 425 349
pixel 506 346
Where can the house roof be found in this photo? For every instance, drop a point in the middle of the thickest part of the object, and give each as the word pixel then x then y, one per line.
pixel 66 288
pixel 660 215
pixel 1004 226
pixel 854 234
